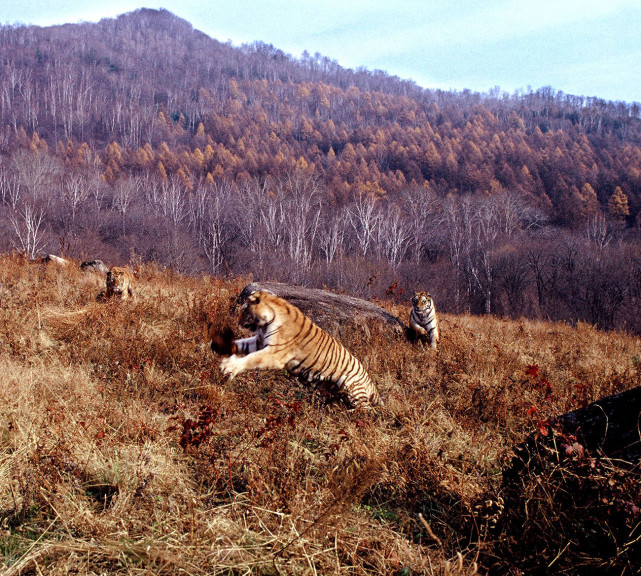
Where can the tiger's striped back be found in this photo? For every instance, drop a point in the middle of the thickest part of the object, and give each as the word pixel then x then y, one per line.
pixel 325 359
pixel 286 338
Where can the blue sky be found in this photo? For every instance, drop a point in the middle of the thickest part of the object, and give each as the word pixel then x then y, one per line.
pixel 581 47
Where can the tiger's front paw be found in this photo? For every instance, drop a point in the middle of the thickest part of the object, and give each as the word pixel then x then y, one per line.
pixel 231 366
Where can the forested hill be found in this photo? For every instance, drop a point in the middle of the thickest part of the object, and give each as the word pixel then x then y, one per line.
pixel 148 92
pixel 140 139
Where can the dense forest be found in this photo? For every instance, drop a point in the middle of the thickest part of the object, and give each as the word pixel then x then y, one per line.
pixel 141 139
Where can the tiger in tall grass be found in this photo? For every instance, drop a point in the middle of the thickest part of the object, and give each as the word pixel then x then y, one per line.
pixel 286 338
pixel 423 319
pixel 120 282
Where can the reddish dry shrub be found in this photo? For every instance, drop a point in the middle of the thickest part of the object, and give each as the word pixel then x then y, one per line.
pixel 568 511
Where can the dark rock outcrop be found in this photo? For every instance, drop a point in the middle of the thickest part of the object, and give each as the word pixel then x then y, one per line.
pixel 609 427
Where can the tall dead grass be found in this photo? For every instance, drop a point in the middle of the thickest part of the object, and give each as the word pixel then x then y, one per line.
pixel 123 451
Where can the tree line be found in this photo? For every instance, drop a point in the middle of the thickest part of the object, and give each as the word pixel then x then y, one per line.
pixel 482 254
pixel 145 91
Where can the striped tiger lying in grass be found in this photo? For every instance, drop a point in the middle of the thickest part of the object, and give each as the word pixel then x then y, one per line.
pixel 286 338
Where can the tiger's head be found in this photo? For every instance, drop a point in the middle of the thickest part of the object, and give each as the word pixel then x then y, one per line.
pixel 259 309
pixel 422 301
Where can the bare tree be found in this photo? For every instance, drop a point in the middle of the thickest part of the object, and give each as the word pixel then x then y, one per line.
pixel 253 195
pixel 394 236
pixel 598 231
pixel 456 224
pixel 66 91
pixel 9 189
pixel 123 195
pixel 98 192
pixel 570 253
pixel 152 192
pixel 331 235
pixel 173 201
pixel 301 213
pixel 512 279
pixel 215 233
pixel 272 219
pixel 420 206
pixel 485 226
pixel 36 171
pixel 364 220
pixel 602 291
pixel 10 86
pixel 30 101
pixel 543 264
pixel 514 213
pixel 197 207
pixel 76 189
pixel 28 226
pixel 211 240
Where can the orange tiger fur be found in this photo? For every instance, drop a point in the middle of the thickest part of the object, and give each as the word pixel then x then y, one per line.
pixel 120 282
pixel 423 318
pixel 286 338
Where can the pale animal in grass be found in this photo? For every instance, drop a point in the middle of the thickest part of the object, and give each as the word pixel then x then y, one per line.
pixel 423 319
pixel 56 259
pixel 120 283
pixel 287 339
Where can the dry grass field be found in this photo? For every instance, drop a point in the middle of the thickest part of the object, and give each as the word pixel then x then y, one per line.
pixel 124 452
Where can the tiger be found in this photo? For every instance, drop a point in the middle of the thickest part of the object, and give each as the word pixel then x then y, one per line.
pixel 423 318
pixel 286 338
pixel 120 282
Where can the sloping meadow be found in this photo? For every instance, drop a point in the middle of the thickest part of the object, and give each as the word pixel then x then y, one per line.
pixel 124 451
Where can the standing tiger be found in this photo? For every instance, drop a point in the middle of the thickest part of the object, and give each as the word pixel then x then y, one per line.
pixel 286 338
pixel 423 319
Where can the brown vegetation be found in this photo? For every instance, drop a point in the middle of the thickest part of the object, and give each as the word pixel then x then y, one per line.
pixel 124 451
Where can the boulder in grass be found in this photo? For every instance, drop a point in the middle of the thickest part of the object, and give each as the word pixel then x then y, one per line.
pixel 94 266
pixel 333 312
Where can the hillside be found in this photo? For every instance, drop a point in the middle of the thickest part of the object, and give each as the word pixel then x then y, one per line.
pixel 122 450
pixel 145 91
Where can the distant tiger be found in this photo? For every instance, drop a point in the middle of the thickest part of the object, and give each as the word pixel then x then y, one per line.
pixel 286 338
pixel 120 282
pixel 423 319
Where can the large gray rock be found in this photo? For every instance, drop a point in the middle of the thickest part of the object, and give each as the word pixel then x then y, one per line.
pixel 95 266
pixel 333 312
